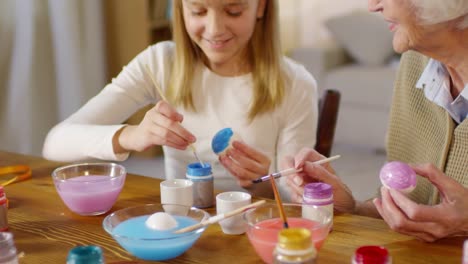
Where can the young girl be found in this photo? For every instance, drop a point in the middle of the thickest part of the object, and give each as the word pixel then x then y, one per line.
pixel 223 69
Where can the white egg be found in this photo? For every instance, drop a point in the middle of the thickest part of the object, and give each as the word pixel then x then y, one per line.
pixel 161 221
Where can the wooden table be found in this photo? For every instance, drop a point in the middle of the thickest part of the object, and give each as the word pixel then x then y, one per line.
pixel 45 230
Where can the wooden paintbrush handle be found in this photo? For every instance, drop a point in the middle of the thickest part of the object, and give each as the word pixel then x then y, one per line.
pixel 242 209
pixel 217 218
pixel 278 202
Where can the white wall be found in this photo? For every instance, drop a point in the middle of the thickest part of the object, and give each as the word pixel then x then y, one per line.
pixel 51 63
pixel 301 20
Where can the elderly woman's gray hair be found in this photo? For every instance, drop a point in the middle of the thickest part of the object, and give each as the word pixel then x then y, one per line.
pixel 437 11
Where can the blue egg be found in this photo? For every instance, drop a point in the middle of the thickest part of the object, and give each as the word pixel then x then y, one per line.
pixel 221 140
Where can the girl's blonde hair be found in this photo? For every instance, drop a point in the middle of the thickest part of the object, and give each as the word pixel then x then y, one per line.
pixel 264 54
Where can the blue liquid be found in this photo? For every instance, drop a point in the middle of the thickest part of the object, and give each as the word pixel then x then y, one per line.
pixel 150 244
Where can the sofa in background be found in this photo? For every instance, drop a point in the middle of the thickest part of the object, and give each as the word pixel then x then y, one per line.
pixel 360 63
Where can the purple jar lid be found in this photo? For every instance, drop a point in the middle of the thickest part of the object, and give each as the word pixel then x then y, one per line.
pixel 318 190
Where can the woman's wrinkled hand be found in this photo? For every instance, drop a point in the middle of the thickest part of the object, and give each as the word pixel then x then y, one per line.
pixel 310 172
pixel 427 222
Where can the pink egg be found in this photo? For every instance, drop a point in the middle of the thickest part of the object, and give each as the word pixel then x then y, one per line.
pixel 399 176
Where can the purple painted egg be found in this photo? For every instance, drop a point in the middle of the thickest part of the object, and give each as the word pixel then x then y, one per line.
pixel 399 176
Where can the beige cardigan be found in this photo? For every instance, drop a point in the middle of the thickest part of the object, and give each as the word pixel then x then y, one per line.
pixel 422 132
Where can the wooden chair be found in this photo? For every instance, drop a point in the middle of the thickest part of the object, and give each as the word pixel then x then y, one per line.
pixel 329 105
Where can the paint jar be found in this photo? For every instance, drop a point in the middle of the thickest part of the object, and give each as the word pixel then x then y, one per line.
pixel 371 255
pixel 7 249
pixel 317 194
pixel 294 246
pixel 3 210
pixel 203 184
pixel 85 255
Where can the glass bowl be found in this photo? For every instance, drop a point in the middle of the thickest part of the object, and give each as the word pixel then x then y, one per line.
pixel 89 188
pixel 127 226
pixel 264 224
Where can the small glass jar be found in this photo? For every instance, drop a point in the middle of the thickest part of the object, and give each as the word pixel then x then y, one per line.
pixel 294 246
pixel 85 255
pixel 8 253
pixel 317 194
pixel 203 184
pixel 371 255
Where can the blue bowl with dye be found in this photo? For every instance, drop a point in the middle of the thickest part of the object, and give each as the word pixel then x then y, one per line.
pixel 127 227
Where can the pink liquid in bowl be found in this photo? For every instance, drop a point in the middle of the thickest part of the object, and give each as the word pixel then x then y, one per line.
pixel 90 195
pixel 264 235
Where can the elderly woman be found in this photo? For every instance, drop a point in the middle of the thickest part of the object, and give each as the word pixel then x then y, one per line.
pixel 428 124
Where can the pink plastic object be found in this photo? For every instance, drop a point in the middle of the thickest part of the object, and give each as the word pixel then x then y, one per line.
pixel 399 176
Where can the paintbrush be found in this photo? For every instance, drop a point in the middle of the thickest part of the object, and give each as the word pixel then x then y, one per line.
pixel 290 171
pixel 278 202
pixel 163 97
pixel 219 217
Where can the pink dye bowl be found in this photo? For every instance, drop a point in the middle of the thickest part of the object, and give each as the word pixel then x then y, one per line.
pixel 89 188
pixel 264 224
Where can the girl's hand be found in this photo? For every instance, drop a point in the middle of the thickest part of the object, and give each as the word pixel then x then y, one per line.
pixel 160 126
pixel 426 222
pixel 245 163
